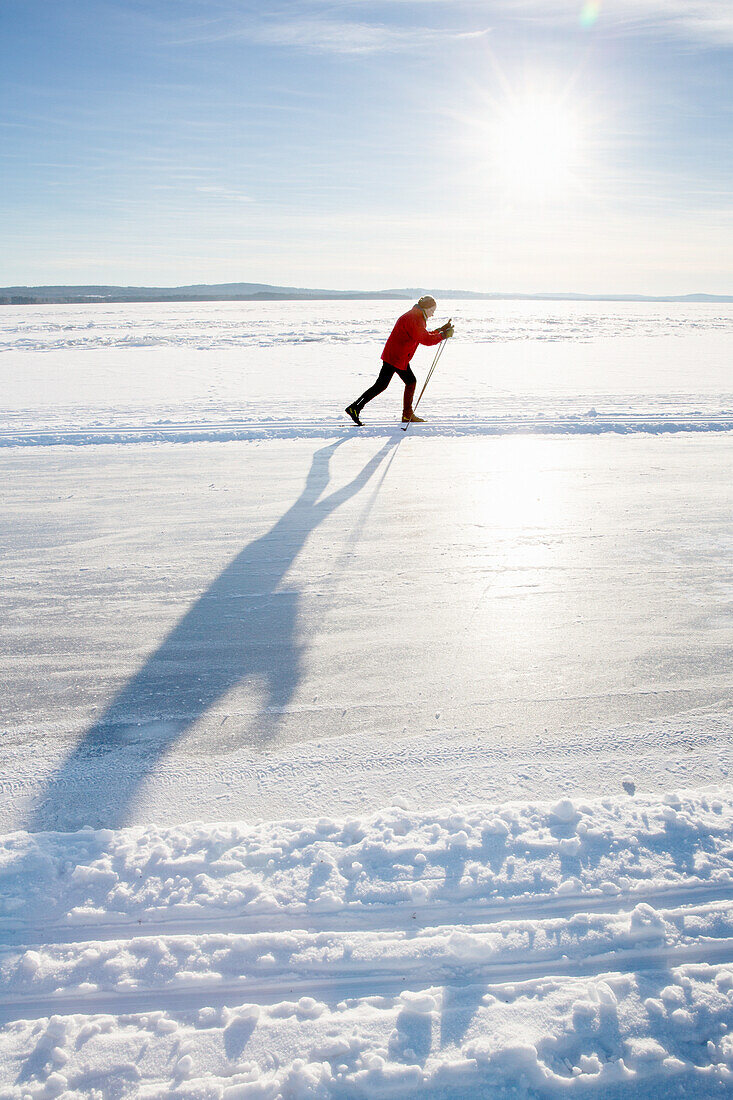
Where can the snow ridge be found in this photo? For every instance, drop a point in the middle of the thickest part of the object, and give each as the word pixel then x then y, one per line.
pixel 270 428
pixel 527 949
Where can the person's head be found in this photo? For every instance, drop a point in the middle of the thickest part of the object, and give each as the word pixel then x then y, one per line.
pixel 427 304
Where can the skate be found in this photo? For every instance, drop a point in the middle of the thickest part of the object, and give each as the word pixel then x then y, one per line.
pixel 353 412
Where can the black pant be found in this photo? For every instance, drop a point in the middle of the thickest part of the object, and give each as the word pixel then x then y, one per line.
pixel 383 380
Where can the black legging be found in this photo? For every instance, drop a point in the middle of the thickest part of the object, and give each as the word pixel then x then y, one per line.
pixel 383 380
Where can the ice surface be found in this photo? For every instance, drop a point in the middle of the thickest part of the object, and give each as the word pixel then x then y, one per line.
pixel 299 625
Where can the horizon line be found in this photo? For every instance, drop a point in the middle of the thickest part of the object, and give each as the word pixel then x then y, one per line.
pixel 89 293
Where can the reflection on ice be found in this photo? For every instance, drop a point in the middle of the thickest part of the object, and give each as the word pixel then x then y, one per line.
pixel 519 491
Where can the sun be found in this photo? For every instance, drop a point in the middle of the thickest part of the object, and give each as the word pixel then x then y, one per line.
pixel 535 148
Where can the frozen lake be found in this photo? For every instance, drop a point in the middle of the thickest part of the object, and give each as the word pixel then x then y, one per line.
pixel 334 760
pixel 326 618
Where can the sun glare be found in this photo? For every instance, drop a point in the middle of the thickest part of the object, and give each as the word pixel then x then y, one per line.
pixel 536 149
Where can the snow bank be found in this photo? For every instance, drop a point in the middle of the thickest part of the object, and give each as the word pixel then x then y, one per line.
pixel 546 949
pixel 523 853
pixel 610 1035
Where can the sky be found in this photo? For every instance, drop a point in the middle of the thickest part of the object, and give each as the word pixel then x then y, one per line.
pixel 500 146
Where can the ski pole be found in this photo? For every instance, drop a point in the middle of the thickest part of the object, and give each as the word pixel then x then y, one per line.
pixel 438 354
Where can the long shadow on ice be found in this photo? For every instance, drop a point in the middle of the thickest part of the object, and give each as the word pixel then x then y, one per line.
pixel 244 627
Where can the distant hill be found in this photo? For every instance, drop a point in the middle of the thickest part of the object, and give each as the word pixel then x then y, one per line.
pixel 214 292
pixel 253 292
pixel 559 296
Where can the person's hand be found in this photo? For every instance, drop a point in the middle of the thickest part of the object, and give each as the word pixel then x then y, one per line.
pixel 448 330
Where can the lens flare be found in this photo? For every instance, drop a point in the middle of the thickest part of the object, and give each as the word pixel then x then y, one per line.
pixel 589 13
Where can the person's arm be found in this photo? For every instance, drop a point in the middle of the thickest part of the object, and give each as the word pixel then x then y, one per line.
pixel 422 335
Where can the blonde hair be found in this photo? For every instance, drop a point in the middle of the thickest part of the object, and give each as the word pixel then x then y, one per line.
pixel 426 301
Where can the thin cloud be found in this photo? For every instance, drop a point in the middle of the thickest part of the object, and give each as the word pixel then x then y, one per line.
pixel 311 27
pixel 332 36
pixel 316 33
pixel 709 22
pixel 225 194
pixel 345 37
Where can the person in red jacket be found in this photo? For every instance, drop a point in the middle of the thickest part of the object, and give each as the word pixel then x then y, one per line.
pixel 410 330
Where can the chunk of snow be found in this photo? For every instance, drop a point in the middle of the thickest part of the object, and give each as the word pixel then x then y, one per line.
pixel 565 811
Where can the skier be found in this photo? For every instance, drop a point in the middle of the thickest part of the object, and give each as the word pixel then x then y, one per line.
pixel 409 331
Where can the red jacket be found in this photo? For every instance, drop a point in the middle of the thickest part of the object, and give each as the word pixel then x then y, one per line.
pixel 409 331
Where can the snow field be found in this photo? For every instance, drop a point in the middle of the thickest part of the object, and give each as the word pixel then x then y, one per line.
pixel 243 370
pixel 531 949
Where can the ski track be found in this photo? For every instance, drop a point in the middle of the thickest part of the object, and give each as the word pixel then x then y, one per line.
pixel 373 917
pixel 351 984
pixel 331 980
pixel 125 935
pixel 274 429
